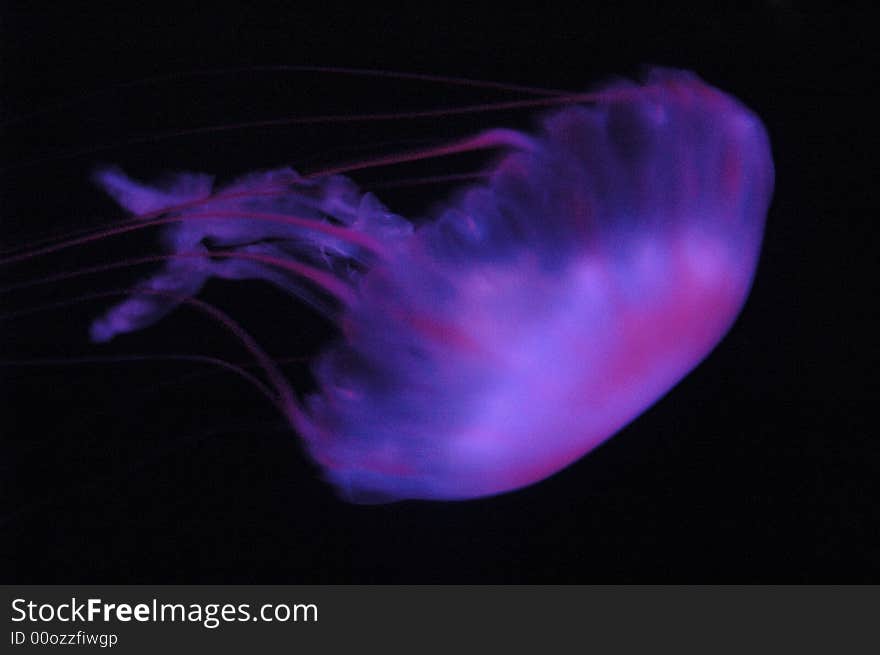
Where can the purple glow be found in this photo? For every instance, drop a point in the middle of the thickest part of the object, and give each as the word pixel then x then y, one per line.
pixel 537 314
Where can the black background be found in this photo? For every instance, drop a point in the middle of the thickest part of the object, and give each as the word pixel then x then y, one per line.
pixel 760 466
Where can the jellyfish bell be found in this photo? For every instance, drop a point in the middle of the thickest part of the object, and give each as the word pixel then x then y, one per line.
pixel 524 322
pixel 555 302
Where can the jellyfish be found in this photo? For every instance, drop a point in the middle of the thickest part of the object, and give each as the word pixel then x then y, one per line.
pixel 518 325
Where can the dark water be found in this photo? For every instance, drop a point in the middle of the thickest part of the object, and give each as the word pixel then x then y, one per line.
pixel 760 466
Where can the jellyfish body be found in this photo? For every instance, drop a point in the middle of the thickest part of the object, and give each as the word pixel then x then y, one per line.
pixel 527 321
